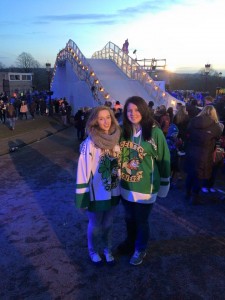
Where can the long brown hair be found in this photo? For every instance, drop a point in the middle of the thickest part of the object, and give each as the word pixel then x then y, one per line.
pixel 146 121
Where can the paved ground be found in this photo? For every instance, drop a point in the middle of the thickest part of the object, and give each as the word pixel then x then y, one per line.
pixel 28 131
pixel 43 253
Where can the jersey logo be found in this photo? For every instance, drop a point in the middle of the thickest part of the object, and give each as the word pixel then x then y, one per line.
pixel 108 168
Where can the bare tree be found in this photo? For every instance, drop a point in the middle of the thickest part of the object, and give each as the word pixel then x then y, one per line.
pixel 26 62
pixel 2 66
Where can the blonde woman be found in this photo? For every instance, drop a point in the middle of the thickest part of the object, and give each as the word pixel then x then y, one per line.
pixel 203 131
pixel 181 120
pixel 97 188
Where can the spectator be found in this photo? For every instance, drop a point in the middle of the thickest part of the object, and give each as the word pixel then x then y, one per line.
pixel 97 188
pixel 17 104
pixel 23 110
pixel 11 115
pixel 170 113
pixel 208 100
pixel 63 113
pixel 43 107
pixel 181 120
pixel 192 109
pixel 68 111
pixel 203 131
pixel 151 109
pixel 80 124
pixel 164 120
pixel 32 109
pixel 125 47
pixel 2 111
pixel 145 174
pixel 117 106
pixel 172 142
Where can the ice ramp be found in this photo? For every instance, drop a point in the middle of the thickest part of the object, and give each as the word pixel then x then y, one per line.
pixel 109 75
pixel 67 84
pixel 118 84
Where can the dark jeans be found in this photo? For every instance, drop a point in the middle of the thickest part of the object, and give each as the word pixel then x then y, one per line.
pixel 193 183
pixel 23 114
pixel 81 133
pixel 136 217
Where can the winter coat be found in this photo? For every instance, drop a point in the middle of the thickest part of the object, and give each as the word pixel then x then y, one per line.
pixel 10 112
pixel 182 126
pixel 202 134
pixel 192 110
pixel 80 120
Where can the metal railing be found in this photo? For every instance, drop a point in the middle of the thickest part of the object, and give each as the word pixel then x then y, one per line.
pixel 133 70
pixel 83 71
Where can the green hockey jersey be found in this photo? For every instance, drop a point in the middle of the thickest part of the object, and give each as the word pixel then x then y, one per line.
pixel 145 167
pixel 98 177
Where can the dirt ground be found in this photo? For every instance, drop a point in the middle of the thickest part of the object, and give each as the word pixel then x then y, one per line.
pixel 43 252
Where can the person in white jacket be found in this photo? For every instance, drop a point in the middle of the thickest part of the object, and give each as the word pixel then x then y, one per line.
pixel 97 184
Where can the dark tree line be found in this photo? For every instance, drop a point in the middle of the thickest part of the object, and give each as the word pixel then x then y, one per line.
pixel 197 82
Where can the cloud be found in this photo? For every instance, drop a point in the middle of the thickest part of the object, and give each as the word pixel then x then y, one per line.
pixel 146 7
pixel 80 19
pixel 72 17
pixel 75 17
pixel 110 19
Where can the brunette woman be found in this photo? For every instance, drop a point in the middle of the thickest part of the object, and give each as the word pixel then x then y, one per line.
pixel 145 174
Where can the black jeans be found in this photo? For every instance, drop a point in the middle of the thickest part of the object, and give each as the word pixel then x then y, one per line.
pixel 193 183
pixel 137 223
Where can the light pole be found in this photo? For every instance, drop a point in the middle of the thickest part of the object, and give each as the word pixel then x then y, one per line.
pixel 219 87
pixel 48 70
pixel 207 69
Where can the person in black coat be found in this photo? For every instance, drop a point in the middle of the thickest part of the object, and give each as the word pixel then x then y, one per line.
pixel 192 109
pixel 202 133
pixel 80 123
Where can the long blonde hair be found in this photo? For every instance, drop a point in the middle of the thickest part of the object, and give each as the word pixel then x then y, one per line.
pixel 92 121
pixel 209 110
pixel 181 115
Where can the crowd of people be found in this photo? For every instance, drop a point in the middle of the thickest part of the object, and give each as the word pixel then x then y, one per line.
pixel 187 95
pixel 135 154
pixel 21 107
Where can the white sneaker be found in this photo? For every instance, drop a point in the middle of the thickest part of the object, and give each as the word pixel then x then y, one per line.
pixel 212 190
pixel 109 257
pixel 181 153
pixel 137 257
pixel 205 190
pixel 95 258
